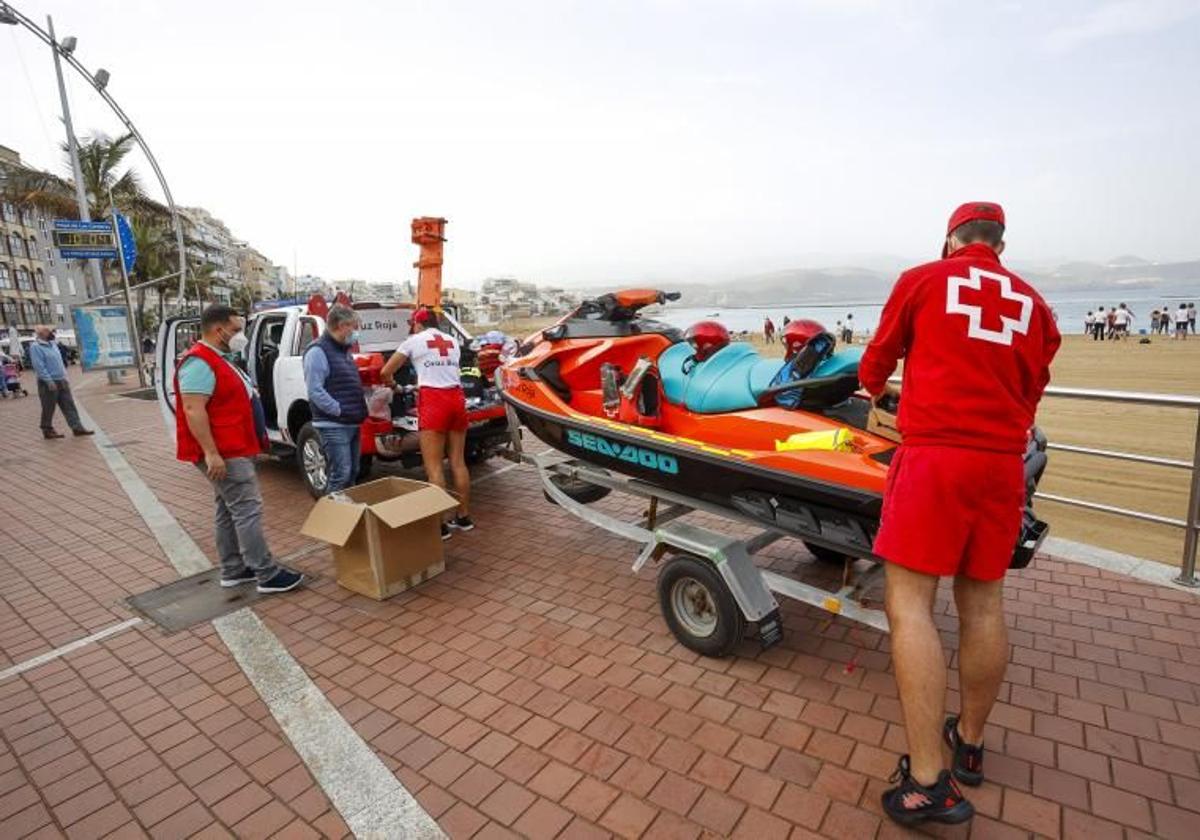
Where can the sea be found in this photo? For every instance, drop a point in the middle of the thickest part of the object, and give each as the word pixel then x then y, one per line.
pixel 1070 308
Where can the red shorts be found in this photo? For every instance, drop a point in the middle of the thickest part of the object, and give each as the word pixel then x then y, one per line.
pixel 441 410
pixel 952 511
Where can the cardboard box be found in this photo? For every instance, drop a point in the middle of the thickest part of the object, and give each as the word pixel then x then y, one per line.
pixel 883 423
pixel 386 538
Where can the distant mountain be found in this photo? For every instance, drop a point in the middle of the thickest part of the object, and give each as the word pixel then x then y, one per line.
pixel 854 284
pixel 1127 260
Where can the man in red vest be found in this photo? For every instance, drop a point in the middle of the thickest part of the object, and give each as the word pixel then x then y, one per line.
pixel 217 430
pixel 977 341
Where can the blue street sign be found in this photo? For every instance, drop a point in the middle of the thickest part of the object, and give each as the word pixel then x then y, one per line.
pixel 84 240
pixel 128 245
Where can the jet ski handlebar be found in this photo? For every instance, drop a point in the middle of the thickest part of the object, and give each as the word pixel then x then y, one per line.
pixel 622 305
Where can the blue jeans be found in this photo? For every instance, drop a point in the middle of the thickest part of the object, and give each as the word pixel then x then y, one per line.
pixel 341 445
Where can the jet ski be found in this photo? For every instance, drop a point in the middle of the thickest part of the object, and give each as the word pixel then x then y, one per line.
pixel 701 415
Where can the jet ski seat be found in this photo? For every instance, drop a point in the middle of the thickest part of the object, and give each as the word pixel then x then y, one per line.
pixel 733 378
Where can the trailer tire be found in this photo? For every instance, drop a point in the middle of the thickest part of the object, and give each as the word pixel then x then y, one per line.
pixel 580 491
pixel 828 556
pixel 699 608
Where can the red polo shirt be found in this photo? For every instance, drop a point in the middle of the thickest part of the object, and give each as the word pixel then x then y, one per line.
pixel 977 341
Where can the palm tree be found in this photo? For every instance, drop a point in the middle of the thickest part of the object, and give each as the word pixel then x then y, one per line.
pixel 155 255
pixel 28 187
pixel 243 299
pixel 100 159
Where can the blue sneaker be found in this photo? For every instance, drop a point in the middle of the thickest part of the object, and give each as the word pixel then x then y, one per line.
pixel 284 580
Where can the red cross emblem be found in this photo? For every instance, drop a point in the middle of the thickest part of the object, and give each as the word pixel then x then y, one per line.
pixel 994 311
pixel 440 344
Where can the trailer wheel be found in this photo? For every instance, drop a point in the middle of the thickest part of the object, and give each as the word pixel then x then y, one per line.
pixel 583 492
pixel 699 608
pixel 826 555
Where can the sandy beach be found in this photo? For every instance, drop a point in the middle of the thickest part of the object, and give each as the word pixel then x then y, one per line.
pixel 1164 366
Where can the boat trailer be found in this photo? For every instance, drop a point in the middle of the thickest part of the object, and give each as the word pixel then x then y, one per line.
pixel 709 587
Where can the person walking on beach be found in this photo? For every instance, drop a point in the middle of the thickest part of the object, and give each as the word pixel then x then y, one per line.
pixel 335 393
pixel 1181 322
pixel 977 342
pixel 54 390
pixel 1089 324
pixel 1164 324
pixel 216 429
pixel 768 331
pixel 1098 325
pixel 1191 313
pixel 1121 319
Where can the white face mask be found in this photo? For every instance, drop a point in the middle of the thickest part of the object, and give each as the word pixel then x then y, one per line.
pixel 238 342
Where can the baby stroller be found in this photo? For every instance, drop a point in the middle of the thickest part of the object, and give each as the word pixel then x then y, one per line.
pixel 10 375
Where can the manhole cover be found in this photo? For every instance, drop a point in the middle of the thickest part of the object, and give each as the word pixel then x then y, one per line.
pixel 192 600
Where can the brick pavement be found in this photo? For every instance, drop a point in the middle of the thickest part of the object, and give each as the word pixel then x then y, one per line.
pixel 533 689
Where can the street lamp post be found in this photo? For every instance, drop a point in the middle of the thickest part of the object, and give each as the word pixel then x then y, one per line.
pixel 85 212
pixel 99 82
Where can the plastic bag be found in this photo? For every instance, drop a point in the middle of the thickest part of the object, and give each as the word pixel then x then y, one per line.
pixel 379 402
pixel 833 440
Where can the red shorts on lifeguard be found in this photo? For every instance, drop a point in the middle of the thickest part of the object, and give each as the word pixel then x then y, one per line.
pixel 441 410
pixel 952 511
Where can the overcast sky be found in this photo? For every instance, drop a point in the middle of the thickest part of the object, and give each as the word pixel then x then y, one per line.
pixel 659 140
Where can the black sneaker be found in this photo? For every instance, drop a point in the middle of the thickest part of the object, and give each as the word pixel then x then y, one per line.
pixel 445 531
pixel 910 803
pixel 244 576
pixel 968 758
pixel 461 523
pixel 284 580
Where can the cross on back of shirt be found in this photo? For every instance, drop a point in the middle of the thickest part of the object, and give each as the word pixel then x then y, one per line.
pixel 440 344
pixel 994 306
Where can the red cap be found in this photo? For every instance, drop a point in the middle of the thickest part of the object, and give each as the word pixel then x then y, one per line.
pixel 973 211
pixel 424 316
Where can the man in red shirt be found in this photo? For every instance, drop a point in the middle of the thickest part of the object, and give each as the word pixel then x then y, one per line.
pixel 977 341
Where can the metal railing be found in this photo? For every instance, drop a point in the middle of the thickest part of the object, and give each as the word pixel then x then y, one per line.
pixel 1190 524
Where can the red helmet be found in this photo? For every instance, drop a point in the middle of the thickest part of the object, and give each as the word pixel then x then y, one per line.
pixel 706 338
pixel 798 333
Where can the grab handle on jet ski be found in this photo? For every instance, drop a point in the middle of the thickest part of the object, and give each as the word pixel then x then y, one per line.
pixel 768 396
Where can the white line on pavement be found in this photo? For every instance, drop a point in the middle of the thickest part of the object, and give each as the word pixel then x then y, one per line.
pixel 42 659
pixel 366 793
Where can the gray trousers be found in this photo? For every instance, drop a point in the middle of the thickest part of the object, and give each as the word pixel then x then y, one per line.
pixel 61 397
pixel 240 539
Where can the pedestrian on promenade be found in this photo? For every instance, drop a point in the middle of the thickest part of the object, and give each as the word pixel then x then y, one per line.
pixel 1181 322
pixel 977 342
pixel 441 408
pixel 335 393
pixel 10 378
pixel 218 428
pixel 53 388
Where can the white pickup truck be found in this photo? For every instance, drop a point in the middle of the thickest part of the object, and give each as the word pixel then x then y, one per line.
pixel 278 339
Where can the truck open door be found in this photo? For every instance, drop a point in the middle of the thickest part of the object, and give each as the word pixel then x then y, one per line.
pixel 175 337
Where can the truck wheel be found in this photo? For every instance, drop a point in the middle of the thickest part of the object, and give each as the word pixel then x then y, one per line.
pixel 699 608
pixel 365 464
pixel 826 555
pixel 583 492
pixel 310 458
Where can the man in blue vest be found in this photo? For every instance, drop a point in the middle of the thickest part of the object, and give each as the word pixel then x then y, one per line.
pixel 335 394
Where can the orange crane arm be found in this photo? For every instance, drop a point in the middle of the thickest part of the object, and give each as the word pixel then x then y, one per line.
pixel 429 233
